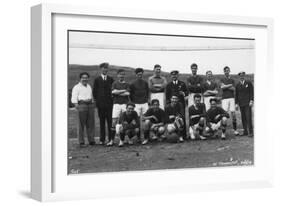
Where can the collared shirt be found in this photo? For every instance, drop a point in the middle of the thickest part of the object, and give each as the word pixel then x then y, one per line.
pixel 159 114
pixel 175 82
pixel 175 110
pixel 227 93
pixel 129 118
pixel 210 85
pixel 157 82
pixel 192 84
pixel 198 110
pixel 244 93
pixel 213 112
pixel 176 89
pixel 104 77
pixel 81 92
pixel 118 99
pixel 139 91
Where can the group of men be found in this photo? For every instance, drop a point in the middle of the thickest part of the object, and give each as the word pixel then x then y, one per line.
pixel 160 106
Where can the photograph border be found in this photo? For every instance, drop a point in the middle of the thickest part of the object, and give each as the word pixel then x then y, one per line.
pixel 42 89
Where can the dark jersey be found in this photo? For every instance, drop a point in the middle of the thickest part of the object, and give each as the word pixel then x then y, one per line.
pixel 117 99
pixel 227 93
pixel 129 121
pixel 199 110
pixel 139 91
pixel 209 86
pixel 212 113
pixel 175 110
pixel 194 84
pixel 159 114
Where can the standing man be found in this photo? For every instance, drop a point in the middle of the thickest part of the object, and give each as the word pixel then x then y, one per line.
pixel 177 88
pixel 82 98
pixel 103 98
pixel 175 117
pixel 194 84
pixel 121 93
pixel 210 89
pixel 130 124
pixel 216 119
pixel 228 98
pixel 139 92
pixel 197 118
pixel 157 85
pixel 154 121
pixel 245 99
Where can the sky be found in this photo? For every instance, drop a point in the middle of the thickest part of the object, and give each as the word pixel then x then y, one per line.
pixel 171 52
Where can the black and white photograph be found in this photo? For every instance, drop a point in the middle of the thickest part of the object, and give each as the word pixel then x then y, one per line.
pixel 140 101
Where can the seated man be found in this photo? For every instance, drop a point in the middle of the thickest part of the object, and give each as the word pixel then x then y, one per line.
pixel 128 124
pixel 154 121
pixel 197 114
pixel 175 115
pixel 216 118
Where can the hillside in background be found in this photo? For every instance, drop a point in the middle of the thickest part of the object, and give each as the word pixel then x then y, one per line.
pixel 74 71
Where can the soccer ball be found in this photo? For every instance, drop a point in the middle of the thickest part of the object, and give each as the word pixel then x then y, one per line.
pixel 172 138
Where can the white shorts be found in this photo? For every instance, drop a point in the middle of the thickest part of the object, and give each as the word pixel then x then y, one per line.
pixel 228 104
pixel 191 99
pixel 214 126
pixel 161 97
pixel 194 127
pixel 117 110
pixel 207 102
pixel 141 108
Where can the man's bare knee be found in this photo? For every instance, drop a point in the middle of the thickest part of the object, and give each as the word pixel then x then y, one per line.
pixel 146 125
pixel 224 121
pixel 137 130
pixel 161 130
pixel 202 120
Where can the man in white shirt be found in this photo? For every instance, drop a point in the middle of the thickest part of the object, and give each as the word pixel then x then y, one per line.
pixel 82 98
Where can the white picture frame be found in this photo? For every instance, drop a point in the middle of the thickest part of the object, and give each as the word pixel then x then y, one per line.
pixel 49 182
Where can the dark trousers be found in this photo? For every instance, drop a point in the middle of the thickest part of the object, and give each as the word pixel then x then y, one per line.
pixel 105 115
pixel 183 132
pixel 86 119
pixel 246 115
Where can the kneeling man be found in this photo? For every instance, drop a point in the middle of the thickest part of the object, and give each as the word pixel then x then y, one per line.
pixel 197 114
pixel 216 118
pixel 128 124
pixel 175 115
pixel 154 121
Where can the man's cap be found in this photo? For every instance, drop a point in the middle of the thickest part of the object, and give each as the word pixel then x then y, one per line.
pixel 174 72
pixel 241 73
pixel 138 70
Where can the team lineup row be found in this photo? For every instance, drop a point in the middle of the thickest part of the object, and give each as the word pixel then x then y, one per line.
pixel 160 106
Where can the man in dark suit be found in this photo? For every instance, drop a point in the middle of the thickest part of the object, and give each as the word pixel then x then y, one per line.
pixel 177 88
pixel 103 98
pixel 245 99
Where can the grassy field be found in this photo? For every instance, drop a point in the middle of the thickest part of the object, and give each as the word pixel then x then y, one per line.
pixel 235 151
